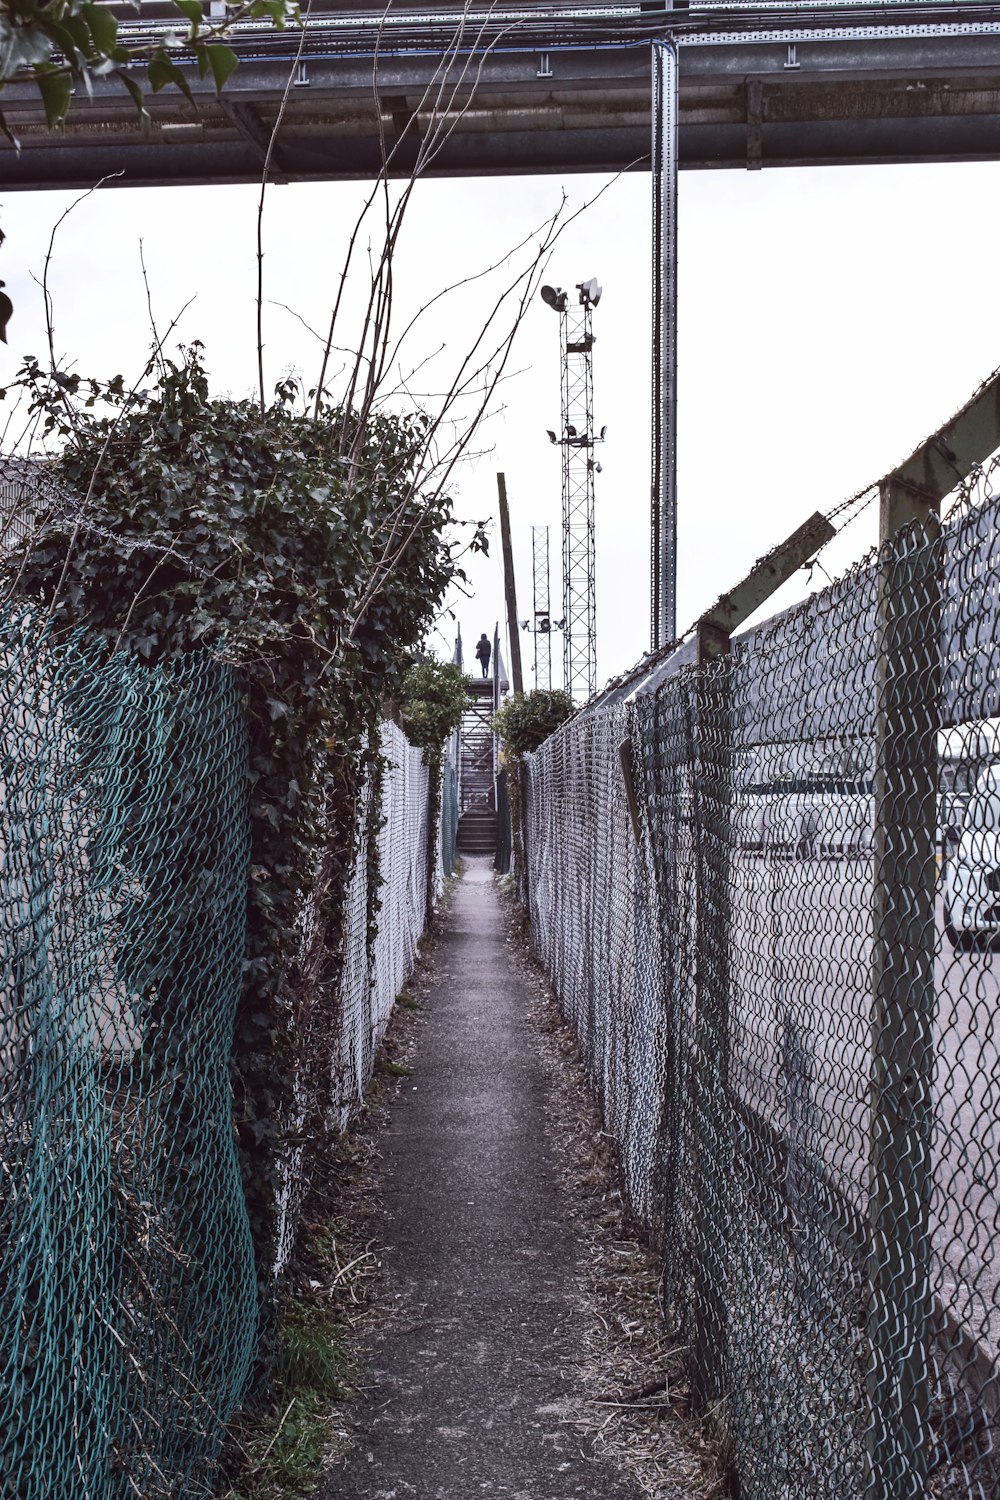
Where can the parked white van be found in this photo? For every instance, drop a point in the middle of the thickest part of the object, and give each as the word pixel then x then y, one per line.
pixel 972 871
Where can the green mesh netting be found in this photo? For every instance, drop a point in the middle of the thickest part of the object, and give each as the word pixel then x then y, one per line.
pixel 127 1296
pixel 449 817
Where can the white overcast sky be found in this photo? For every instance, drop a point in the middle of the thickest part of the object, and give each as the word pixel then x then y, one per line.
pixel 829 319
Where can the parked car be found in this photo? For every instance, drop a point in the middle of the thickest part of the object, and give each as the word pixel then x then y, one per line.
pixel 807 818
pixel 972 870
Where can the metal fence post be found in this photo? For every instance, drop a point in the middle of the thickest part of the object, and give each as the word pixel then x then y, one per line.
pixel 902 1042
pixel 710 753
pixel 901 1170
pixel 711 1112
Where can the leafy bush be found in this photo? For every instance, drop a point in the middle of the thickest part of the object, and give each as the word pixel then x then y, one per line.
pixel 523 723
pixel 433 702
pixel 301 551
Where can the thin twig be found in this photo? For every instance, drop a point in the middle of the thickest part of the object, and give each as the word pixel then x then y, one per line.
pixel 263 1458
pixel 47 296
pixel 152 321
pixel 289 81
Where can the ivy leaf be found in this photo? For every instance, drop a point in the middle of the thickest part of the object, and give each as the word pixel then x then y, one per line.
pixel 56 91
pixel 161 72
pixel 6 130
pixel 78 29
pixel 137 98
pixel 22 47
pixel 276 9
pixel 192 9
pixel 103 28
pixel 223 63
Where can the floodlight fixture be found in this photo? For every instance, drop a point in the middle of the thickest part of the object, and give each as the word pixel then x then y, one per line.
pixel 551 434
pixel 575 437
pixel 603 433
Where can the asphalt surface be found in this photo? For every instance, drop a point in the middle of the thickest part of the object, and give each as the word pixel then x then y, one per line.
pixel 472 1373
pixel 803 950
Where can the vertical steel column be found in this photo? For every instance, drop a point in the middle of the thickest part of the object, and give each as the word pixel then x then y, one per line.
pixel 663 593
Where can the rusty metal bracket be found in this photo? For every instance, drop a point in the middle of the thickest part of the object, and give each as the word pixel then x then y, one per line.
pixel 710 635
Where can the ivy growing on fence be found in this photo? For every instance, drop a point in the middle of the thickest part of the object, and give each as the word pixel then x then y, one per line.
pixel 434 700
pixel 302 551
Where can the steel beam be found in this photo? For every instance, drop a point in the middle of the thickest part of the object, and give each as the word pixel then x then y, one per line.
pixel 556 90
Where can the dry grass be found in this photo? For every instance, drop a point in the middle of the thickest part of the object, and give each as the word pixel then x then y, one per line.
pixel 634 1404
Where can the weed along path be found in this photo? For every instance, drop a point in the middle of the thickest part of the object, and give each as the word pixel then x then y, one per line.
pixel 474 1361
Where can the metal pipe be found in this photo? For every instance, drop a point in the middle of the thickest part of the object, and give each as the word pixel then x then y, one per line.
pixel 663 591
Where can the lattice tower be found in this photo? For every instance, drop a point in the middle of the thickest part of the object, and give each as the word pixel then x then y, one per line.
pixel 577 442
pixel 542 623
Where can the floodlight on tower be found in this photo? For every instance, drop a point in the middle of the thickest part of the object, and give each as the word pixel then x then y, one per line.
pixel 576 439
pixel 554 297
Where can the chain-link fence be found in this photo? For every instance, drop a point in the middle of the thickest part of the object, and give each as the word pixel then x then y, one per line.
pixel 375 972
pixel 128 1292
pixel 768 893
pixel 128 1310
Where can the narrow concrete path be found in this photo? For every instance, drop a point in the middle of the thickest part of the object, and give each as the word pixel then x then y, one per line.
pixel 472 1373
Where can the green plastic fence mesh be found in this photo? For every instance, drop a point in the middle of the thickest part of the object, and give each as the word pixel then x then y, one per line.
pixel 127 1297
pixel 449 818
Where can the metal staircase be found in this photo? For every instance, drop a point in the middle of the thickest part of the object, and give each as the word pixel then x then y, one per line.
pixel 477 802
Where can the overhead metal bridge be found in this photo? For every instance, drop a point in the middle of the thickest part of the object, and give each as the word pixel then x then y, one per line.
pixel 541 88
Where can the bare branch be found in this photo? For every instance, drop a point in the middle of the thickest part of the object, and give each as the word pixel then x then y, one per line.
pixel 149 303
pixel 265 173
pixel 47 296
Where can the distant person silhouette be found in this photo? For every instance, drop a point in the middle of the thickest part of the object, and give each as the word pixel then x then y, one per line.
pixel 483 650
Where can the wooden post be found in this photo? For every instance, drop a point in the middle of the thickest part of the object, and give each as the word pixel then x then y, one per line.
pixel 517 681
